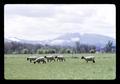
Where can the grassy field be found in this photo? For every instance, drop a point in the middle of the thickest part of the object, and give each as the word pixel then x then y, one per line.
pixel 17 67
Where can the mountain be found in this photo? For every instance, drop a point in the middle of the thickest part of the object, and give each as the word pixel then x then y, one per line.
pixel 10 39
pixel 91 39
pixel 69 39
pixel 7 40
pixel 14 39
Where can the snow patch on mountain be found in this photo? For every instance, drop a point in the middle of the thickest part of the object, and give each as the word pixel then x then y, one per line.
pixel 12 39
pixel 75 39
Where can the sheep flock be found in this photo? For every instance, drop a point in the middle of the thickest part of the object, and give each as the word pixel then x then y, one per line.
pixel 45 59
pixel 55 58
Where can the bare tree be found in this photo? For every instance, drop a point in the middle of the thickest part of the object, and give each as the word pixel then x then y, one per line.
pixel 108 47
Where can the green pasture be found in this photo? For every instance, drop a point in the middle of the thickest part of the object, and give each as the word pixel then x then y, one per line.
pixel 17 67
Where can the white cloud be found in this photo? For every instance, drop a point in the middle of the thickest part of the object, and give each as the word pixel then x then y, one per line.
pixel 43 21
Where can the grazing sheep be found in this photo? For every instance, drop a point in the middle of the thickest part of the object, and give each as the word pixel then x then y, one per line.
pixel 31 58
pixel 60 58
pixel 50 58
pixel 89 58
pixel 40 59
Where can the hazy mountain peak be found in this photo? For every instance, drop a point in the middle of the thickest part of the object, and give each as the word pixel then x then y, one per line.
pixel 86 38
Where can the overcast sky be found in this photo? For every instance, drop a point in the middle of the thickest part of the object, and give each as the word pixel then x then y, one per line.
pixel 47 21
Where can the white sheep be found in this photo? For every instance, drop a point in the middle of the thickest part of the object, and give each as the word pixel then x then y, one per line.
pixel 50 58
pixel 89 58
pixel 31 58
pixel 60 58
pixel 40 59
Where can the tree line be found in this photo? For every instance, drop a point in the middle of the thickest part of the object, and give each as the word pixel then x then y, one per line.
pixel 25 48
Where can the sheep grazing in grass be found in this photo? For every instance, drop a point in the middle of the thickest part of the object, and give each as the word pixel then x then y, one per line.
pixel 50 58
pixel 40 59
pixel 89 58
pixel 31 58
pixel 60 58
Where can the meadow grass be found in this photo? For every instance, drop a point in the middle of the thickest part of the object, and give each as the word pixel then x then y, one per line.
pixel 17 67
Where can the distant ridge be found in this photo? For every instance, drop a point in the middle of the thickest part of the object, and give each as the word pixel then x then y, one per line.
pixel 69 39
